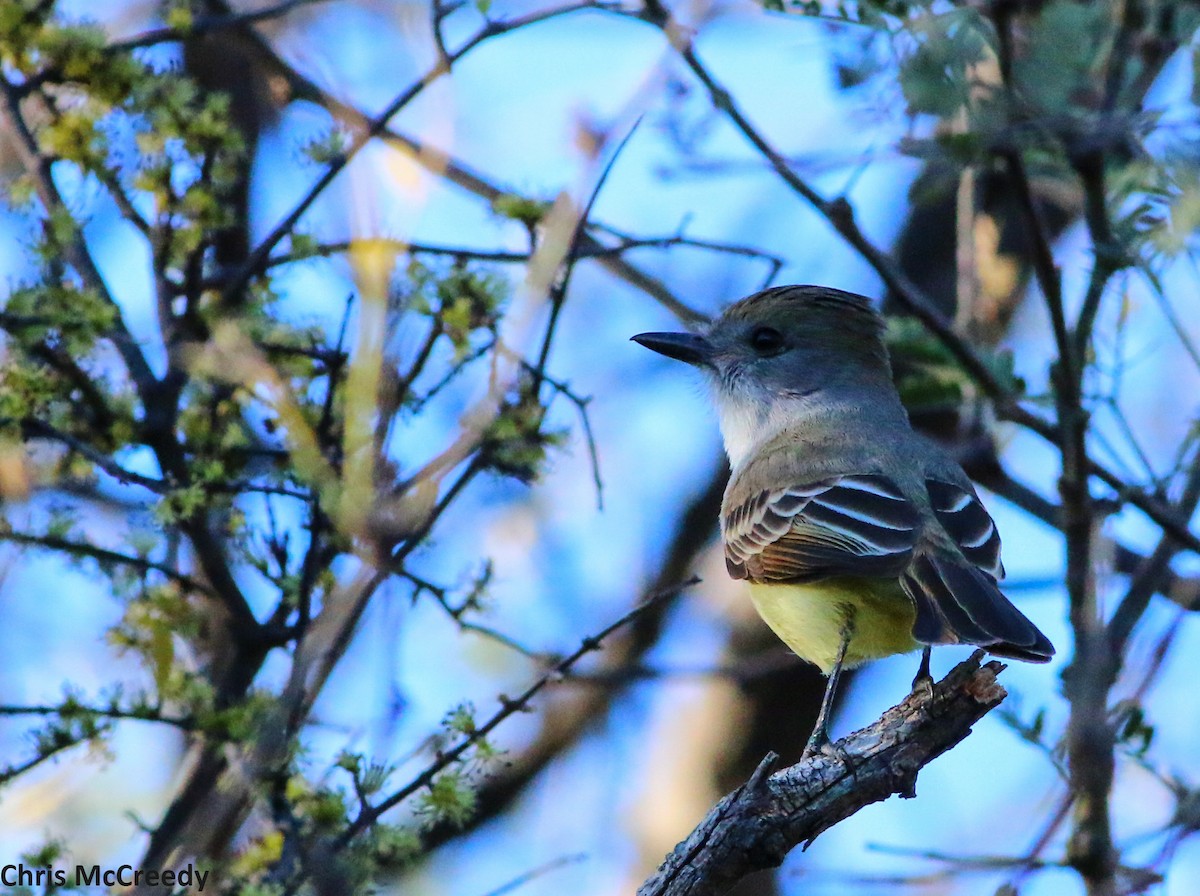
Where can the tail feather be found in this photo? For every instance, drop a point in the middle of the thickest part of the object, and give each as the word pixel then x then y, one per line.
pixel 957 603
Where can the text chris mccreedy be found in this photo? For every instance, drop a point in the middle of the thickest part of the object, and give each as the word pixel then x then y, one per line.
pixel 95 875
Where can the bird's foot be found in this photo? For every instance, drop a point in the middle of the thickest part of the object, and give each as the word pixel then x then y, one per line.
pixel 922 686
pixel 819 744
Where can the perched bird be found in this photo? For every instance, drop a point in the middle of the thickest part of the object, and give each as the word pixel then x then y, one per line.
pixel 859 537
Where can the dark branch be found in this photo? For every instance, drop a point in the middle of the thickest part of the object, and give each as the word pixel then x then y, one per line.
pixel 207 25
pixel 759 823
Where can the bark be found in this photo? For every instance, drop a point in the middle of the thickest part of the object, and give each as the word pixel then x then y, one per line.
pixel 755 826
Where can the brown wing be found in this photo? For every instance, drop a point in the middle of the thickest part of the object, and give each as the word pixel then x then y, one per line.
pixel 967 522
pixel 859 524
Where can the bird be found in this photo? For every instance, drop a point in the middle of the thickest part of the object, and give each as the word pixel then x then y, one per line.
pixel 859 537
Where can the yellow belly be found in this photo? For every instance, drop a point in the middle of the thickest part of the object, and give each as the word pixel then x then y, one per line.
pixel 810 619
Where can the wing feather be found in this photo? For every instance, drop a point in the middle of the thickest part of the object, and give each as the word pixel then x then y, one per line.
pixel 961 604
pixel 859 524
pixel 968 523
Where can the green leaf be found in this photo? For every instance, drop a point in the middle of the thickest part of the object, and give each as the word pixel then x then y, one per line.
pixel 520 208
pixel 449 799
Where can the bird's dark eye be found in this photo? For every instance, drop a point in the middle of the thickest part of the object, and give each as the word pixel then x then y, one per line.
pixel 766 341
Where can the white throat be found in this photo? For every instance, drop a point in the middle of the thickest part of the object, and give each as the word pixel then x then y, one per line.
pixel 746 424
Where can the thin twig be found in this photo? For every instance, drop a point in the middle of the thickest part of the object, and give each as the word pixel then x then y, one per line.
pixel 149 714
pixel 207 25
pixel 508 708
pixel 840 214
pixel 259 255
pixel 39 429
pixel 581 405
pixel 66 743
pixel 519 881
pixel 1149 579
pixel 102 555
pixel 558 295
pixel 441 597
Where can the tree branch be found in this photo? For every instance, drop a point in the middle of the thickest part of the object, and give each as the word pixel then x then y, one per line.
pixel 207 25
pixel 375 127
pixel 457 172
pixel 758 824
pixel 39 168
pixel 840 215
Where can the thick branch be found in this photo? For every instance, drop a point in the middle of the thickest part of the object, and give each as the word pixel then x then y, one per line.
pixel 758 824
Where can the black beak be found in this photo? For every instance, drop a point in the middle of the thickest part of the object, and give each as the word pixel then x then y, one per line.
pixel 681 346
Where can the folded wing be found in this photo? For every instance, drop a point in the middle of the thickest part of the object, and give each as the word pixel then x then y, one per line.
pixel 968 523
pixel 957 601
pixel 863 525
pixel 846 525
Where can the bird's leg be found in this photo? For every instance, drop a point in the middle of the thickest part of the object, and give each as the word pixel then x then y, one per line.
pixel 923 681
pixel 818 741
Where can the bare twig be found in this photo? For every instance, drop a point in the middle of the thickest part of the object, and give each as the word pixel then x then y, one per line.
pixel 441 597
pixel 508 707
pixel 517 882
pixel 1151 576
pixel 258 257
pixel 207 25
pixel 589 248
pixel 558 290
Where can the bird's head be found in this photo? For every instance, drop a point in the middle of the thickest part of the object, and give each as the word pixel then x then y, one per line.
pixel 784 354
pixel 782 342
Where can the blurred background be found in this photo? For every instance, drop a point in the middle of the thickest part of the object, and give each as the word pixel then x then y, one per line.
pixel 588 130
